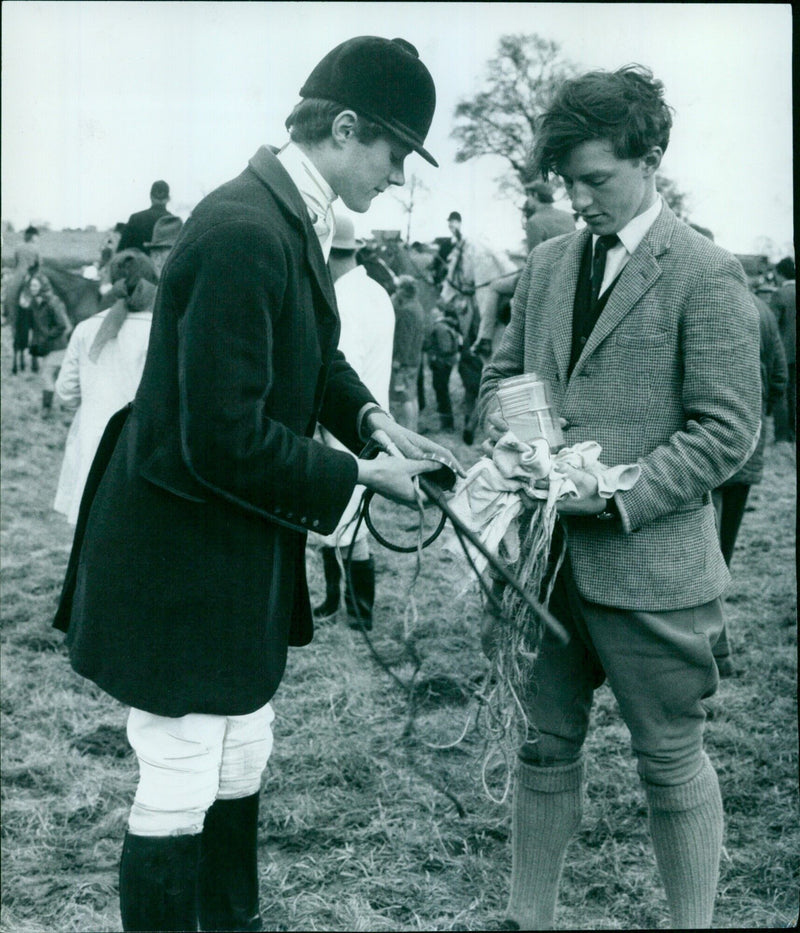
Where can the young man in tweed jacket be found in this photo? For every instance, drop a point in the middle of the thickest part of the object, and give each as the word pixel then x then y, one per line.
pixel 649 338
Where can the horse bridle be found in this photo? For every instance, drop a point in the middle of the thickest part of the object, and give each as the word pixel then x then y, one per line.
pixel 474 288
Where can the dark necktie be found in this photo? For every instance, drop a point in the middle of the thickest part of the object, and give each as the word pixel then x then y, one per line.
pixel 601 247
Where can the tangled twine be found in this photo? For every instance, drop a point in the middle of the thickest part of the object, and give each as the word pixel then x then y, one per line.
pixel 513 647
pixel 517 629
pixel 509 500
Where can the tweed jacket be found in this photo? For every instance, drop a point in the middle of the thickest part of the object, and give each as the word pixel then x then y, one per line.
pixel 187 577
pixel 669 378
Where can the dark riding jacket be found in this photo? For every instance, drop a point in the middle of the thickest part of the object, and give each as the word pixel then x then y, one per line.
pixel 187 579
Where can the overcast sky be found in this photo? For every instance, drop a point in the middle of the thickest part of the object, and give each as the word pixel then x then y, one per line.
pixel 101 98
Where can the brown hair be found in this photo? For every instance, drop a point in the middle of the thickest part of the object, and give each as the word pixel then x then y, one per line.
pixel 625 107
pixel 311 121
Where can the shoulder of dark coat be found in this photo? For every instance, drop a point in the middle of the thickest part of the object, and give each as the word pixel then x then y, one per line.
pixel 241 215
pixel 767 322
pixel 139 215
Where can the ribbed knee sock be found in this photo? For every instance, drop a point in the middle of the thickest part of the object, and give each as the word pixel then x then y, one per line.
pixel 686 824
pixel 547 811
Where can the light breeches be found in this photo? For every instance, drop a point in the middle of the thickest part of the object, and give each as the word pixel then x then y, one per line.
pixel 185 764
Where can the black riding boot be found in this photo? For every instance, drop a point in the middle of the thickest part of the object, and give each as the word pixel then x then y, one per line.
pixel 361 584
pixel 333 577
pixel 227 888
pixel 158 882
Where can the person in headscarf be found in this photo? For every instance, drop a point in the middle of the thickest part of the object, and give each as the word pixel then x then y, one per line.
pixel 101 370
pixel 368 329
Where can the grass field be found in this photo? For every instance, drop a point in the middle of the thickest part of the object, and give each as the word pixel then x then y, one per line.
pixel 365 826
pixel 72 248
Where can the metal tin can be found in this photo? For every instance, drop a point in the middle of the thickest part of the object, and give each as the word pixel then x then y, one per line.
pixel 526 403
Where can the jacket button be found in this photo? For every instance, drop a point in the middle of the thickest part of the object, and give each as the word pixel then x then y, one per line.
pixel 303 520
pixel 277 510
pixel 566 426
pixel 315 523
pixel 290 514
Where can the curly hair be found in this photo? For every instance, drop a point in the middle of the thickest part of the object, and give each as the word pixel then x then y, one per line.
pixel 625 107
pixel 311 120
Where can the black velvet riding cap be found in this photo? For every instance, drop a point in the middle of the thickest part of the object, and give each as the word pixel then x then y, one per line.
pixel 383 80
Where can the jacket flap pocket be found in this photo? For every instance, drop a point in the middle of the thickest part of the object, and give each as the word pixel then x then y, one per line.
pixel 165 469
pixel 642 341
pixel 694 504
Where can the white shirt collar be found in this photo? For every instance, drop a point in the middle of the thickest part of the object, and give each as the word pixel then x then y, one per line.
pixel 632 234
pixel 315 191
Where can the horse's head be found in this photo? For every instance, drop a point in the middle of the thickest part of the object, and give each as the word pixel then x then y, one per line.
pixel 404 260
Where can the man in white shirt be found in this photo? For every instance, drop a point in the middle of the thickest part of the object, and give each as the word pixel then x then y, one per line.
pixel 647 334
pixel 368 324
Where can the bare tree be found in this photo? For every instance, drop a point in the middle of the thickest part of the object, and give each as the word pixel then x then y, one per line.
pixel 408 199
pixel 501 119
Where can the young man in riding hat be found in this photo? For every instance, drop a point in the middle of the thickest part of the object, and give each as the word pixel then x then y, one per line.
pixel 187 579
pixel 648 336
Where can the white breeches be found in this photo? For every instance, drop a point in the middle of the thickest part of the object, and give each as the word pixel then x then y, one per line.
pixel 185 764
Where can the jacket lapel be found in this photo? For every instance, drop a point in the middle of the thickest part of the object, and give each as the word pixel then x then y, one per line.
pixel 276 178
pixel 638 275
pixel 565 282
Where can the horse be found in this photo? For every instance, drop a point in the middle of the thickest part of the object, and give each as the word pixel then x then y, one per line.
pixel 387 258
pixel 81 296
pixel 473 268
pixel 466 288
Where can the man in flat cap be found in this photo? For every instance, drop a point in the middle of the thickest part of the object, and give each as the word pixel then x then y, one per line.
pixel 186 583
pixel 165 236
pixel 139 228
